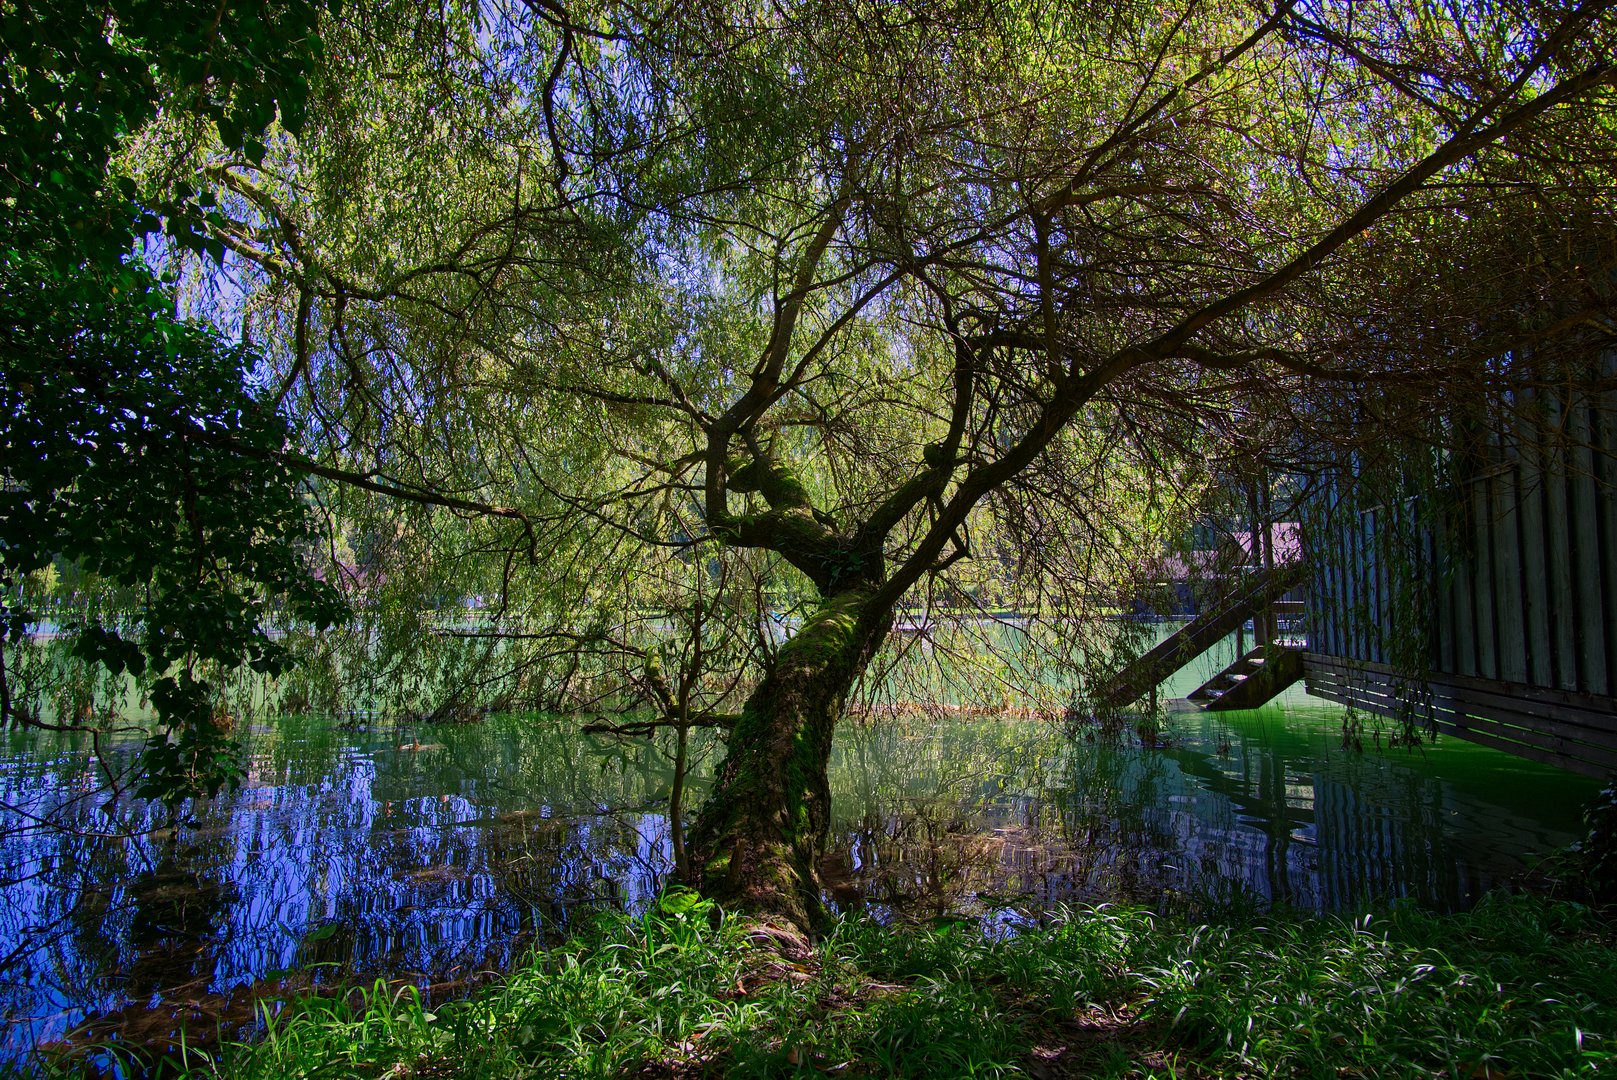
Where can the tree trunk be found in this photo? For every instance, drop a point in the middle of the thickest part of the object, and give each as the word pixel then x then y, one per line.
pixel 676 800
pixel 756 843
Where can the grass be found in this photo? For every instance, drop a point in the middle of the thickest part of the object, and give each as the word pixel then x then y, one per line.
pixel 1521 986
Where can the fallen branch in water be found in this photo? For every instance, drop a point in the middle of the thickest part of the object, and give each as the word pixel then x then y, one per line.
pixel 640 729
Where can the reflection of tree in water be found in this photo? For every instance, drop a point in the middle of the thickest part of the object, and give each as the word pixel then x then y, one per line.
pixel 444 888
pixel 102 916
pixel 477 838
pixel 935 815
pixel 1114 839
pixel 943 813
pixel 431 851
pixel 924 859
pixel 178 919
pixel 64 907
pixel 437 850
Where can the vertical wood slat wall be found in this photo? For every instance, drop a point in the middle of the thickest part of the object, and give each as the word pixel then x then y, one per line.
pixel 1520 573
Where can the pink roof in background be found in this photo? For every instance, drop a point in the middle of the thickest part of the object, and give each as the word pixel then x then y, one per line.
pixel 1285 540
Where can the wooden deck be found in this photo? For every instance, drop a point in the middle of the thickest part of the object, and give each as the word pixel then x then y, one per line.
pixel 1569 730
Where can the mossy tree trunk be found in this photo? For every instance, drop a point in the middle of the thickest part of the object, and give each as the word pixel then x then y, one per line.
pixel 758 839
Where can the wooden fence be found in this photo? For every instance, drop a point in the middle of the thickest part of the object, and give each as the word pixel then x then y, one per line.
pixel 1489 609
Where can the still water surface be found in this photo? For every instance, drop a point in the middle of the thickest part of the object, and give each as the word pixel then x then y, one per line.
pixel 436 853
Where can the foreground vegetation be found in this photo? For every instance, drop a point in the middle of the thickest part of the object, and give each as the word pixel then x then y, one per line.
pixel 1521 986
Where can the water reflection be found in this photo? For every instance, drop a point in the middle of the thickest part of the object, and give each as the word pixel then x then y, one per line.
pixel 1254 809
pixel 436 854
pixel 345 852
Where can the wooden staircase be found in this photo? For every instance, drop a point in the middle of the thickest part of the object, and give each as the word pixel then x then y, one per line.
pixel 1251 596
pixel 1252 680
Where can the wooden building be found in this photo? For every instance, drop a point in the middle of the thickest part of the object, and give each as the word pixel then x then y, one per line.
pixel 1486 609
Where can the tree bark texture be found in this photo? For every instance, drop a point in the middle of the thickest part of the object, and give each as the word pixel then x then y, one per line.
pixel 756 843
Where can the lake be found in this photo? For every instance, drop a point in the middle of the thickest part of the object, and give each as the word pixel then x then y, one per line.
pixel 438 853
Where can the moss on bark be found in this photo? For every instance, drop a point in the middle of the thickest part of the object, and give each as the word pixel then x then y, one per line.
pixel 756 843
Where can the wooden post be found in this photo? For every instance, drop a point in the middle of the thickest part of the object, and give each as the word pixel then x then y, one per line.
pixel 1254 521
pixel 1266 553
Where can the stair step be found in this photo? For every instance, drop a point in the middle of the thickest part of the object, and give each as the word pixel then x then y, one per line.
pixel 1282 670
pixel 1224 615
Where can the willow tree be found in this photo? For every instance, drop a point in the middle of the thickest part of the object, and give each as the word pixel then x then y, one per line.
pixel 112 406
pixel 893 296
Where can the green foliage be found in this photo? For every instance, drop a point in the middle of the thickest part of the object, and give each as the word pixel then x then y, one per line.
pixel 535 255
pixel 134 451
pixel 1521 984
pixel 989 292
pixel 1597 851
pixel 133 446
pixel 79 79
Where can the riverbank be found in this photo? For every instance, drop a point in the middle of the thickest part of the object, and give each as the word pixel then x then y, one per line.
pixel 1521 986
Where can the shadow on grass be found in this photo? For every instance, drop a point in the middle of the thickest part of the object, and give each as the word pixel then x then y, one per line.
pixel 1521 986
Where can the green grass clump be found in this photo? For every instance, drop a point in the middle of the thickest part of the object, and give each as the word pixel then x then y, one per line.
pixel 1520 987
pixel 673 987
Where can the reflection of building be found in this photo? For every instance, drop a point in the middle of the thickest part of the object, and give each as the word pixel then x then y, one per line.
pixel 1488 609
pixel 1261 810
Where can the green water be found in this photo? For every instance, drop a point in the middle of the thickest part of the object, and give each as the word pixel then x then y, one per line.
pixel 434 853
pixel 1255 807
